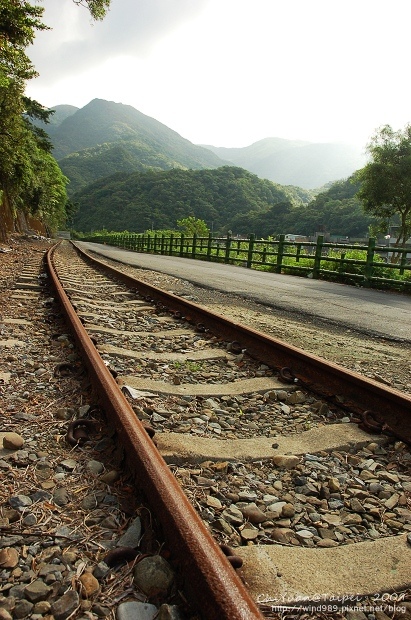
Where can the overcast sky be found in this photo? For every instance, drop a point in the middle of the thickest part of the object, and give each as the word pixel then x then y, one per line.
pixel 231 72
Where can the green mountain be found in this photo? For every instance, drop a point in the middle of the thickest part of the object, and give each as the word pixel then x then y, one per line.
pixel 156 200
pixel 127 171
pixel 105 137
pixel 294 162
pixel 61 112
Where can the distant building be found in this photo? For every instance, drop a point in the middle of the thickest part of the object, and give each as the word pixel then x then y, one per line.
pixel 296 238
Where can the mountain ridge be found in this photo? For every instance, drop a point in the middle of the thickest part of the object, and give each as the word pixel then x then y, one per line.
pixel 105 137
pixel 310 165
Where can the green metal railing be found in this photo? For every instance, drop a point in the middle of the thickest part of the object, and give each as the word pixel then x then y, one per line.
pixel 365 265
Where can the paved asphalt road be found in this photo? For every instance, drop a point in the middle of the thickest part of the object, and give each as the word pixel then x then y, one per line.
pixel 379 312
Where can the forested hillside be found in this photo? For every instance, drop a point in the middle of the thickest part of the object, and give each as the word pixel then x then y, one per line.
pixel 141 201
pixel 227 198
pixel 335 211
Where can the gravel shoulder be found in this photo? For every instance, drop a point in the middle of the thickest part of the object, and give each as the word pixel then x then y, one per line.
pixel 379 358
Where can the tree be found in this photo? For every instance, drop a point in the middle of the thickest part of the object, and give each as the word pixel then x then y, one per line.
pixel 30 179
pixel 385 182
pixel 192 225
pixel 97 8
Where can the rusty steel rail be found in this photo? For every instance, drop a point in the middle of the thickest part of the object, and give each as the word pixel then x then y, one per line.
pixel 346 388
pixel 210 582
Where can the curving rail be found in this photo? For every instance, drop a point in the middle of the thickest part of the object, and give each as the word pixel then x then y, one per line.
pixel 359 394
pixel 210 579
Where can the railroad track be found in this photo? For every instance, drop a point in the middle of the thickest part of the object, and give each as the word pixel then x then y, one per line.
pixel 314 506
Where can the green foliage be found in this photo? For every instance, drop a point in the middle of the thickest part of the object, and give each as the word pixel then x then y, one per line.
pixel 227 198
pixel 19 22
pixel 336 211
pixel 20 148
pixel 385 189
pixel 357 268
pixel 29 176
pixel 98 8
pixel 160 233
pixel 157 200
pixel 193 226
pixel 35 111
pixel 86 166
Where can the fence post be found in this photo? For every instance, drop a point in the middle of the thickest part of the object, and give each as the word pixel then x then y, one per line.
pixel 182 244
pixel 280 254
pixel 251 241
pixel 194 246
pixel 403 262
pixel 209 242
pixel 368 269
pixel 318 256
pixel 340 265
pixel 227 248
pixel 171 244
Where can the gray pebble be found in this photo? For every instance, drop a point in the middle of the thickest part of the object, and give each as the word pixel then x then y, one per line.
pixel 153 575
pixel 20 501
pixel 22 609
pixel 131 537
pixel 61 497
pixel 37 591
pixel 134 610
pixel 95 467
pixel 63 607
